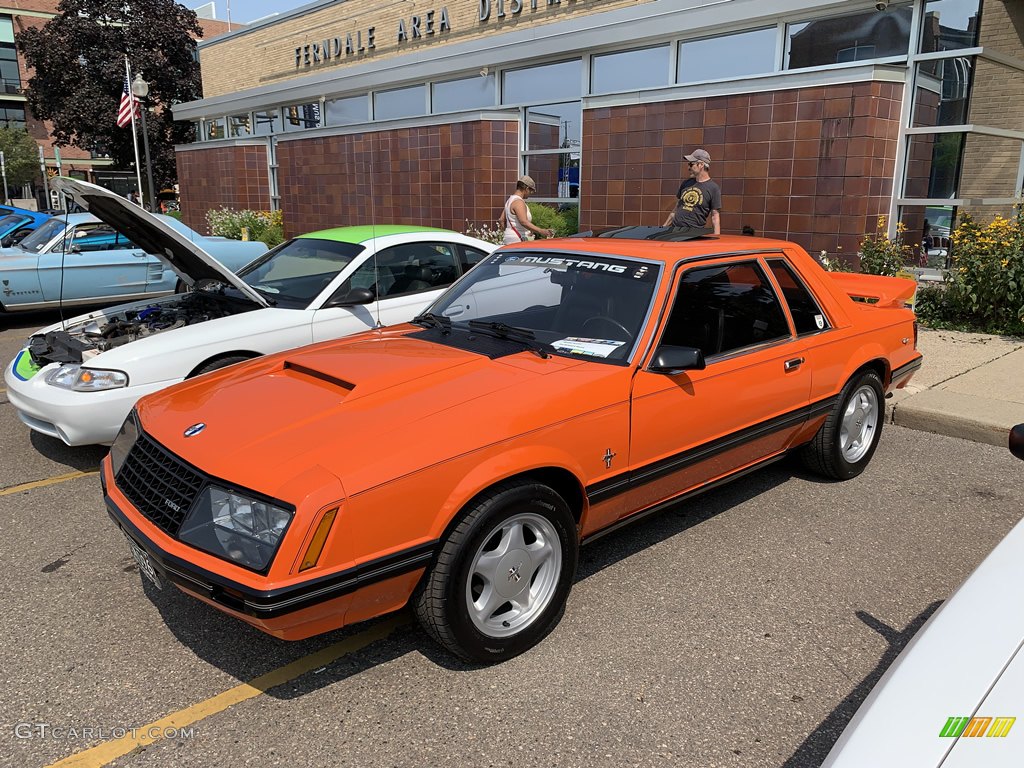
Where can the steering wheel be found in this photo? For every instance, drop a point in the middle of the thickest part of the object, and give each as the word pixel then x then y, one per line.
pixel 609 322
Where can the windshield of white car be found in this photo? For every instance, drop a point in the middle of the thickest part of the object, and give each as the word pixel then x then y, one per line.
pixel 297 271
pixel 583 306
pixel 43 234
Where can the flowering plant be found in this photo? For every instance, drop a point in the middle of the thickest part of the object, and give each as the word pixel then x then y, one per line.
pixel 882 255
pixel 265 226
pixel 485 232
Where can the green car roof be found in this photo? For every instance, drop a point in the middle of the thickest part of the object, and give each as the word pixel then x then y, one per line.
pixel 362 234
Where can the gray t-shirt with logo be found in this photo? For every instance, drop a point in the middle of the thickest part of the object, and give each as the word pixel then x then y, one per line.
pixel 696 201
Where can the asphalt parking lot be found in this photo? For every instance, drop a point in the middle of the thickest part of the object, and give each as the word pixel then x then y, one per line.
pixel 738 629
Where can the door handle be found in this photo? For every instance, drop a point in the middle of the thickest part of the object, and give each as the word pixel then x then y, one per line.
pixel 796 362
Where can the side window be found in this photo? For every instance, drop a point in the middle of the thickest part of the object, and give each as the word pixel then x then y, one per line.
pixel 807 315
pixel 88 239
pixel 723 308
pixel 416 267
pixel 471 257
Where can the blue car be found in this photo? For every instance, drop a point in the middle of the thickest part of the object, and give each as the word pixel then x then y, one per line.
pixel 16 223
pixel 77 260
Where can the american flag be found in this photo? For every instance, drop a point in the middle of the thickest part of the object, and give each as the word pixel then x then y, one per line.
pixel 128 104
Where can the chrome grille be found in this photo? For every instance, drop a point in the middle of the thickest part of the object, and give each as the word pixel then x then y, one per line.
pixel 159 484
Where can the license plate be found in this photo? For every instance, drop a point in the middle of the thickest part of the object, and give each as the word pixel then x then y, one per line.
pixel 145 563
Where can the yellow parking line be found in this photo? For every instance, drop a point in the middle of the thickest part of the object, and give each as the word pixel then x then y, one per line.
pixel 107 752
pixel 44 483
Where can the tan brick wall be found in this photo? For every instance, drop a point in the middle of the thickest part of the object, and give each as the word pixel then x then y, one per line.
pixel 267 55
pixel 997 100
pixel 812 165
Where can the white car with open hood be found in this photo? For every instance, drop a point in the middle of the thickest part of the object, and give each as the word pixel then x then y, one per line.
pixel 78 380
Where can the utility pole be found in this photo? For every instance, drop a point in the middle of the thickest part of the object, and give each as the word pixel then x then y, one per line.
pixel 46 181
pixel 3 169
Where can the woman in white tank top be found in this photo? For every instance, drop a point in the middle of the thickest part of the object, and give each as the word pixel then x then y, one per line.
pixel 516 219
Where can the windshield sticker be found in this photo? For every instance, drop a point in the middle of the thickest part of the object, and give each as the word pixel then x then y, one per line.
pixel 562 264
pixel 575 345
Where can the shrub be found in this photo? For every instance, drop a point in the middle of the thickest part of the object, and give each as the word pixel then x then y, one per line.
pixel 984 288
pixel 564 223
pixel 265 226
pixel 880 255
pixel 485 232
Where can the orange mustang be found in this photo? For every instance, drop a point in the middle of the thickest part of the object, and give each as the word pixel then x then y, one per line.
pixel 557 391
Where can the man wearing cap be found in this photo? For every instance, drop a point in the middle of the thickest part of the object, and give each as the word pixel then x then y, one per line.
pixel 516 219
pixel 698 197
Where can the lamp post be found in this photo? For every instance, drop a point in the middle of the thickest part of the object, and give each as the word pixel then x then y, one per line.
pixel 140 89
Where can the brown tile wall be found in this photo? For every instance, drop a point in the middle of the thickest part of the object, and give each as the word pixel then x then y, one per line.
pixel 438 176
pixel 812 165
pixel 233 177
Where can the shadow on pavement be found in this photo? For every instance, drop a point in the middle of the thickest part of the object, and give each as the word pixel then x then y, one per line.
pixel 246 653
pixel 85 458
pixel 816 746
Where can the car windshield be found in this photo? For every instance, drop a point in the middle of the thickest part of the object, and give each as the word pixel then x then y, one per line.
pixel 587 306
pixel 44 234
pixel 297 271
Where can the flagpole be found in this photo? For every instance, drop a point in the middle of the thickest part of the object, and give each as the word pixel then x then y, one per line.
pixel 135 135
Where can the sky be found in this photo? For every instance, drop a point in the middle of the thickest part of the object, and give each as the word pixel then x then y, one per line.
pixel 247 10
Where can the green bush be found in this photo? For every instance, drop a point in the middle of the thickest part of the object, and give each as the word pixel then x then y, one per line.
pixel 563 223
pixel 265 226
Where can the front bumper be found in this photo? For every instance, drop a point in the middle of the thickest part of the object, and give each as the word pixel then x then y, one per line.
pixel 77 418
pixel 293 612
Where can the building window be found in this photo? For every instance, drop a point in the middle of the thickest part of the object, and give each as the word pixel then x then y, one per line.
pixel 629 70
pixel 265 122
pixel 240 126
pixel 401 102
pixel 213 128
pixel 949 25
pixel 727 56
pixel 941 91
pixel 838 39
pixel 10 76
pixel 300 117
pixel 468 93
pixel 12 117
pixel 545 83
pixel 349 110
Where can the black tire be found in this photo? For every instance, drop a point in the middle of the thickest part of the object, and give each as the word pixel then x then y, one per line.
pixel 180 287
pixel 442 603
pixel 218 363
pixel 825 454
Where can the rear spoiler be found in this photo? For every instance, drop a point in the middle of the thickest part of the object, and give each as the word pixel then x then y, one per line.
pixel 876 289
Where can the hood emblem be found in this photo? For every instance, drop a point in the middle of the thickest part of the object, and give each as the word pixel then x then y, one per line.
pixel 195 429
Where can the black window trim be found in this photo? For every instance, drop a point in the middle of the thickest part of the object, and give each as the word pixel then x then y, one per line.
pixel 829 325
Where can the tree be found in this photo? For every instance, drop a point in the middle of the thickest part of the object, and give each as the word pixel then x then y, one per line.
pixel 78 58
pixel 21 155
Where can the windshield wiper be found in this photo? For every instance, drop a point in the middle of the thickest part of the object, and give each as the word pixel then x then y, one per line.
pixel 504 331
pixel 430 320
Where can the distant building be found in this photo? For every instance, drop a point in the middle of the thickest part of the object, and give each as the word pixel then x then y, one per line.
pixel 820 115
pixel 15 17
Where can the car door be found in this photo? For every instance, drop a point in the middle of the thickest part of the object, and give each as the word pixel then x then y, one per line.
pixel 405 279
pixel 691 427
pixel 97 263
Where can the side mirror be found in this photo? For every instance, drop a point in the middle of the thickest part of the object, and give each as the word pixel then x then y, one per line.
pixel 75 248
pixel 7 241
pixel 671 360
pixel 18 236
pixel 354 297
pixel 1017 441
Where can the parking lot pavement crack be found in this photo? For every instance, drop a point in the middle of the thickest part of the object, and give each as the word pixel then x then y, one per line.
pixel 1017 348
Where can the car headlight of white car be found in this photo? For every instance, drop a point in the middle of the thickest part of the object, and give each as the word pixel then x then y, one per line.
pixel 73 376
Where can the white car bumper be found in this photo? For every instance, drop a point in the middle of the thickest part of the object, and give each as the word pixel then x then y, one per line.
pixel 77 418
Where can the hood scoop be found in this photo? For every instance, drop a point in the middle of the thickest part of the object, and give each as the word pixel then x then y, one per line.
pixel 302 371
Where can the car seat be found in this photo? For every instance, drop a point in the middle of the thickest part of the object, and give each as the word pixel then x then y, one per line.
pixel 413 278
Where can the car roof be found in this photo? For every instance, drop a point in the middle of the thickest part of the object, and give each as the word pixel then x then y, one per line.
pixel 657 250
pixel 362 234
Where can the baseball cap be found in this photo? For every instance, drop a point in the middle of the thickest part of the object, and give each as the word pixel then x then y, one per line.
pixel 699 156
pixel 528 182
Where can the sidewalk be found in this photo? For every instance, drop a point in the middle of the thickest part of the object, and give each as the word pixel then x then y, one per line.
pixel 971 385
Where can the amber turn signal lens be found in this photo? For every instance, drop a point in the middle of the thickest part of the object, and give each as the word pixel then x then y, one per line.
pixel 316 546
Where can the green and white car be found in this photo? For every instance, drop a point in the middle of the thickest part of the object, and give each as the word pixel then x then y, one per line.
pixel 78 380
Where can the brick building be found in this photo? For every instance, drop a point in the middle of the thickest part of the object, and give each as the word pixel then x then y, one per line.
pixel 15 17
pixel 820 116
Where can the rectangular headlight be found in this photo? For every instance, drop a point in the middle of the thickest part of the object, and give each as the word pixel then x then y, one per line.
pixel 238 528
pixel 124 442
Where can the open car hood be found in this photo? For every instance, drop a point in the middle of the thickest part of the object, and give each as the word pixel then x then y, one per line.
pixel 187 259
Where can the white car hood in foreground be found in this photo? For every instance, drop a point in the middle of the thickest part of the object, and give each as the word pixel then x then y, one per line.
pixel 967 661
pixel 187 259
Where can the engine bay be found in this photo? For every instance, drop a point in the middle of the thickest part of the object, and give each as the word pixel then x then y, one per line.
pixel 104 331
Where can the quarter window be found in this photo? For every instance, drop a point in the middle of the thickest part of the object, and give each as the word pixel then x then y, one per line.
pixel 723 308
pixel 807 315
